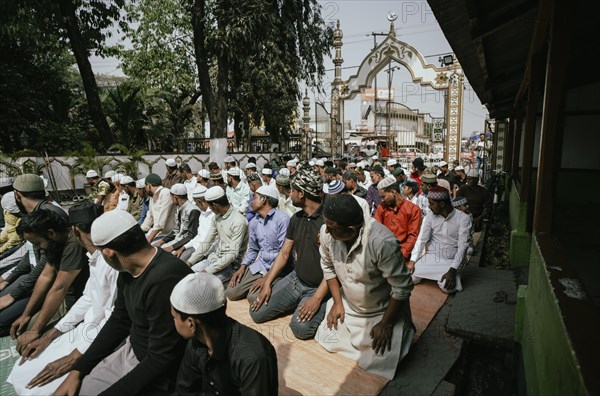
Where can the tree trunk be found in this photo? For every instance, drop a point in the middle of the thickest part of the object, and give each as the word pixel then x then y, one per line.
pixel 68 14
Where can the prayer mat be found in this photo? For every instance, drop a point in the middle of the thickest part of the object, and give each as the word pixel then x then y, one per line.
pixel 8 357
pixel 305 368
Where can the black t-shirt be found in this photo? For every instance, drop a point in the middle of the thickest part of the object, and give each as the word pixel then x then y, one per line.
pixel 243 363
pixel 304 231
pixel 143 312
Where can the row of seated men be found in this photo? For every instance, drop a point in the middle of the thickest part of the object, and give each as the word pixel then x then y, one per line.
pixel 339 271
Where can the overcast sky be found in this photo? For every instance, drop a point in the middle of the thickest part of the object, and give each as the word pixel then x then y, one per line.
pixel 415 25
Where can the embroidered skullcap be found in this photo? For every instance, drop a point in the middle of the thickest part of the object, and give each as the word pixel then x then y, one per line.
pixel 438 193
pixel 91 173
pixel 250 165
pixel 204 173
pixel 309 181
pixel 392 162
pixel 153 179
pixel 442 164
pixel 386 182
pixel 253 177
pixel 178 189
pixel 267 171
pixel 320 163
pixel 282 180
pixel 171 162
pixel 229 159
pixel 216 176
pixel 428 178
pixel 284 171
pixel 214 193
pixel 456 202
pixel 336 186
pixel 268 191
pixel 378 169
pixel 127 180
pixel 109 174
pixel 398 172
pixel 234 172
pixel 28 183
pixel 473 173
pixel 84 212
pixel 198 293
pixel 343 209
pixel 9 203
pixel 459 168
pixel 111 225
pixel 141 183
pixel 199 191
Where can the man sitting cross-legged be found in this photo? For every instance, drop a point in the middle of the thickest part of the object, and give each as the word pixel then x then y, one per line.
pixel 46 361
pixel 370 286
pixel 267 235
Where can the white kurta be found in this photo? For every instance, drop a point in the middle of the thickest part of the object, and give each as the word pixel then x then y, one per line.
pixel 441 245
pixel 79 326
pixel 370 273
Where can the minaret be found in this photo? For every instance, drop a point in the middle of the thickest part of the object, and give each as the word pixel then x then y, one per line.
pixel 336 123
pixel 306 143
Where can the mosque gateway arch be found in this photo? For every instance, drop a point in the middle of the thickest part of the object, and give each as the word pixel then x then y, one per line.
pixel 448 78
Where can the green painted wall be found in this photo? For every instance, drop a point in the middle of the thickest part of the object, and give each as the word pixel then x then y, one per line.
pixel 550 365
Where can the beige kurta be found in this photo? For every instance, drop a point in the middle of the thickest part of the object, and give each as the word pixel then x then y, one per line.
pixel 370 273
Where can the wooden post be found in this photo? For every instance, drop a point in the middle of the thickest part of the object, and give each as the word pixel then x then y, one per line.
pixel 553 114
pixel 508 147
pixel 516 149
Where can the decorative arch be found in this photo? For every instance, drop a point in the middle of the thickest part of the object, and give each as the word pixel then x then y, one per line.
pixel 449 79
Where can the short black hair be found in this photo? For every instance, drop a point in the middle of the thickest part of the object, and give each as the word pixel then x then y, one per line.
pixel 38 195
pixel 40 221
pixel 213 165
pixel 130 242
pixel 223 201
pixel 185 168
pixel 273 202
pixel 214 319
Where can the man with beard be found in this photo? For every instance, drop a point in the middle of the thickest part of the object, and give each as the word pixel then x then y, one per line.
pixel 138 350
pixel 479 198
pixel 100 188
pixel 160 219
pixel 173 176
pixel 30 196
pixel 46 361
pixel 373 195
pixel 399 215
pixel 237 191
pixel 304 290
pixel 62 279
pixel 140 186
pixel 186 226
pixel 130 200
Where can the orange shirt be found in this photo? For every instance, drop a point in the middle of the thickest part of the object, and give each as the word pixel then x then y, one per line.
pixel 404 221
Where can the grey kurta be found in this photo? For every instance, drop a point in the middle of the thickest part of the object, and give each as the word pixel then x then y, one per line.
pixel 371 272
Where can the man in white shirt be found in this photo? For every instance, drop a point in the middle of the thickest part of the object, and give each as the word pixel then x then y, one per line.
pixel 189 180
pixel 204 222
pixel 160 220
pixel 46 361
pixel 442 243
pixel 267 177
pixel 237 191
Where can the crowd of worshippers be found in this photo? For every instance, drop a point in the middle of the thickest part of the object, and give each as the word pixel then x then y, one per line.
pixel 126 292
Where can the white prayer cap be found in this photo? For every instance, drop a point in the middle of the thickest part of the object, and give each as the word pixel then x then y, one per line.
pixel 375 157
pixel 117 177
pixel 284 171
pixel 178 189
pixel 109 174
pixel 311 163
pixel 352 165
pixel 234 172
pixel 127 180
pixel 198 293
pixel 204 173
pixel 320 163
pixel 171 162
pixel 267 171
pixel 269 191
pixel 386 182
pixel 91 173
pixel 229 159
pixel 250 165
pixel 392 162
pixel 140 183
pixel 459 168
pixel 9 203
pixel 214 193
pixel 291 164
pixel 111 225
pixel 199 191
pixel 442 163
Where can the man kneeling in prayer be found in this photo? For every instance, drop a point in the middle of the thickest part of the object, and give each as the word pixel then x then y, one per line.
pixel 222 357
pixel 368 318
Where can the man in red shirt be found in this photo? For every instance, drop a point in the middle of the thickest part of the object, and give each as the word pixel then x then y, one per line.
pixel 402 217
